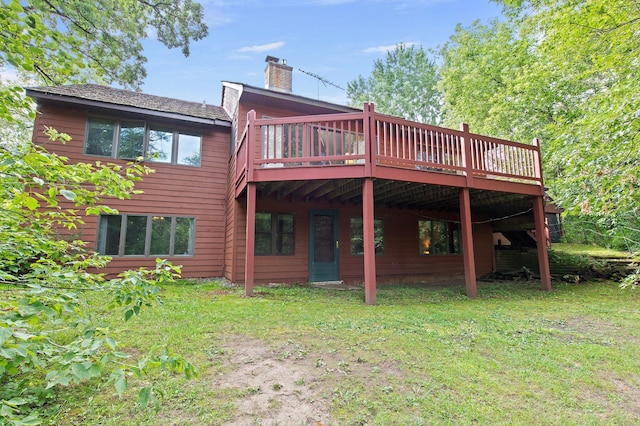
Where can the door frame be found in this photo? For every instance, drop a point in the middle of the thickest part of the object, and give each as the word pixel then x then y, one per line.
pixel 335 273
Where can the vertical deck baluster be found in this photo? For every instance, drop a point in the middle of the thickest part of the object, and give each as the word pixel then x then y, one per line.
pixel 382 146
pixel 494 160
pixel 447 150
pixel 432 142
pixel 394 142
pixel 336 141
pixel 288 139
pixel 405 141
pixel 399 139
pixel 521 162
pixel 326 140
pixel 414 145
pixel 435 147
pixel 342 138
pixel 475 154
pixel 346 146
pixel 427 145
pixel 512 160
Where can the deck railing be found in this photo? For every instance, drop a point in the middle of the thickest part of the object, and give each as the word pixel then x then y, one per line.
pixel 367 138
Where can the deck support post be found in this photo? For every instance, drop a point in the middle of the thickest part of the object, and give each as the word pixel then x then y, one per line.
pixel 369 242
pixel 249 271
pixel 541 242
pixel 467 244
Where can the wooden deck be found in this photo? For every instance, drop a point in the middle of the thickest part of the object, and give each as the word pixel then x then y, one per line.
pixel 368 144
pixel 366 159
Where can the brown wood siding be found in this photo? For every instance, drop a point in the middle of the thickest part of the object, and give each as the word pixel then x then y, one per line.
pixel 401 262
pixel 198 192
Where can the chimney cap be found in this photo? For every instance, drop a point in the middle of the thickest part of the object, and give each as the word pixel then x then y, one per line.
pixel 272 59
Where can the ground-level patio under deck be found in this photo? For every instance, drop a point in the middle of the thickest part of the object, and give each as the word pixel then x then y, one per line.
pixel 373 162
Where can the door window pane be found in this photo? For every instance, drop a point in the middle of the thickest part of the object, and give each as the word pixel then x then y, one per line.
pixel 323 238
pixel 189 149
pixel 131 141
pixel 99 140
pixel 160 145
pixel 160 235
pixel 135 235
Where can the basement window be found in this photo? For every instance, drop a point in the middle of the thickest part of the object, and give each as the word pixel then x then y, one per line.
pixel 438 237
pixel 145 235
pixel 275 234
pixel 356 238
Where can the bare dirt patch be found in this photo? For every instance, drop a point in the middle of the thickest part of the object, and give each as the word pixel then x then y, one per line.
pixel 280 387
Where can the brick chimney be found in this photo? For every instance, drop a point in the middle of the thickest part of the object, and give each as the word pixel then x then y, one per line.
pixel 277 75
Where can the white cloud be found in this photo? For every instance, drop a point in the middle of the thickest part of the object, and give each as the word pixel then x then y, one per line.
pixel 260 48
pixel 387 48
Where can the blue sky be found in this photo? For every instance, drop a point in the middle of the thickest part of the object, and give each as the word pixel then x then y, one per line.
pixel 335 39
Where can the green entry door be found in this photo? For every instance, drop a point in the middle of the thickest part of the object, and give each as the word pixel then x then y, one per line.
pixel 323 245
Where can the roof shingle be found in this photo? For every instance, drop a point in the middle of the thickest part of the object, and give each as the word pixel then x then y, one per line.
pixel 110 95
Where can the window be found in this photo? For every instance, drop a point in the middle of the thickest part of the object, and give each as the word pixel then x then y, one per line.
pixel 99 137
pixel 188 149
pixel 145 235
pixel 275 234
pixel 438 237
pixel 160 145
pixel 356 237
pixel 132 139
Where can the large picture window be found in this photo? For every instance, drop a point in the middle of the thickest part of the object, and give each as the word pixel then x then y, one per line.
pixel 439 237
pixel 146 235
pixel 275 234
pixel 356 246
pixel 132 139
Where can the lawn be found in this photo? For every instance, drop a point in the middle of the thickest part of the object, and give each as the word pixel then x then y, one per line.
pixel 302 355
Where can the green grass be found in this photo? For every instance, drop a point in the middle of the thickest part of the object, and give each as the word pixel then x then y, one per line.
pixel 592 251
pixel 515 355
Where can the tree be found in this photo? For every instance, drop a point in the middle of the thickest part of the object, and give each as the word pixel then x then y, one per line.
pixel 78 40
pixel 404 85
pixel 48 336
pixel 564 71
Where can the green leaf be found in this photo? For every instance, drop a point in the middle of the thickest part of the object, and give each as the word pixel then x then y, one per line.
pixel 31 203
pixel 5 333
pixel 128 314
pixel 69 195
pixel 121 382
pixel 144 396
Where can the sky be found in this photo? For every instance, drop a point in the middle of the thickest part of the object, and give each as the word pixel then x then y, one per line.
pixel 337 40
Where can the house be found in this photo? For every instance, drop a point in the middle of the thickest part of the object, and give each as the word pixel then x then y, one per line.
pixel 271 186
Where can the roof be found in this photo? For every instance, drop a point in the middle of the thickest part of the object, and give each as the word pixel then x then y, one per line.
pixel 262 96
pixel 96 95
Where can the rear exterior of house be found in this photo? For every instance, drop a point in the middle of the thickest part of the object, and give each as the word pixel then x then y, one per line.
pixel 274 187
